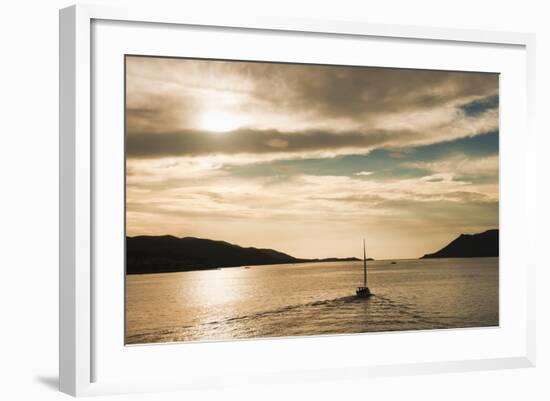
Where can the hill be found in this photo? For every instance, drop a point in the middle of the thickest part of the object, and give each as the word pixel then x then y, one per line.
pixel 161 254
pixel 469 246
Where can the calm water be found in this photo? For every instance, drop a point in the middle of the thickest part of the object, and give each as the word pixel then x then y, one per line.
pixel 311 299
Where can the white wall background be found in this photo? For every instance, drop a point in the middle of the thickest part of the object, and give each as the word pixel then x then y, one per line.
pixel 29 185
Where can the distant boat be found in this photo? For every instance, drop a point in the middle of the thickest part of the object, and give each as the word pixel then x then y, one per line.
pixel 364 292
pixel 393 263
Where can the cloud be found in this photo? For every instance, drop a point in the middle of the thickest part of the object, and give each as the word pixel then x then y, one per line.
pixel 286 144
pixel 462 166
pixel 480 106
pixel 465 156
pixel 249 141
pixel 351 91
pixel 169 94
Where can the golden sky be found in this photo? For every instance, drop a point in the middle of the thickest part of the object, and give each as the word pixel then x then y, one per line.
pixel 309 159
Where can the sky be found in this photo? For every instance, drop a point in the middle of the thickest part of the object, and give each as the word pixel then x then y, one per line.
pixel 310 159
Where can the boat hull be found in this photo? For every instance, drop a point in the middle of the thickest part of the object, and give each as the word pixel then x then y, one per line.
pixel 363 292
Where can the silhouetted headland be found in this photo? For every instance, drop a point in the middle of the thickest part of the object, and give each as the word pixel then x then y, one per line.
pixel 469 246
pixel 163 254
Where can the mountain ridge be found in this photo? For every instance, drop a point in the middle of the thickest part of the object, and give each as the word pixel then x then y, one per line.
pixel 485 244
pixel 166 253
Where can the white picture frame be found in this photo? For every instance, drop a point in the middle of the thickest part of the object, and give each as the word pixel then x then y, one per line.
pixel 78 152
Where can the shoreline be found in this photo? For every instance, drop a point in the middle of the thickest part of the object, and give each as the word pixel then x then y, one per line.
pixel 391 261
pixel 299 261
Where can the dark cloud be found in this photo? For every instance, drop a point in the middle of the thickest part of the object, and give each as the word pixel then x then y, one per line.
pixel 380 164
pixel 358 91
pixel 195 143
pixel 164 94
pixel 480 106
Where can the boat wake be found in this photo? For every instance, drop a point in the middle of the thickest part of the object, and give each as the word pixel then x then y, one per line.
pixel 348 314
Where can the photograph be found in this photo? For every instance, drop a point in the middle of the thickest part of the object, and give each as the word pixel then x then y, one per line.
pixel 272 200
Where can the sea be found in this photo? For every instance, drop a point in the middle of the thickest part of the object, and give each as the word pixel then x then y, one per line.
pixel 310 299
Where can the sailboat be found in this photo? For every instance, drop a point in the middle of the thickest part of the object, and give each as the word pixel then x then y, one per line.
pixel 364 292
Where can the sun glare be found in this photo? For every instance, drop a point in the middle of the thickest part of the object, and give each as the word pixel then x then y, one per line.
pixel 219 121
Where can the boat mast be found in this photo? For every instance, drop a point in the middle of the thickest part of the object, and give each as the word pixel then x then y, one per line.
pixel 364 263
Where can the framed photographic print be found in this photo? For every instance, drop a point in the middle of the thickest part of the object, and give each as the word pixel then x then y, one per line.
pixel 235 167
pixel 275 200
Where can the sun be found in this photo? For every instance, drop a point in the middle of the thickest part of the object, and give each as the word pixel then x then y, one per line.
pixel 219 121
